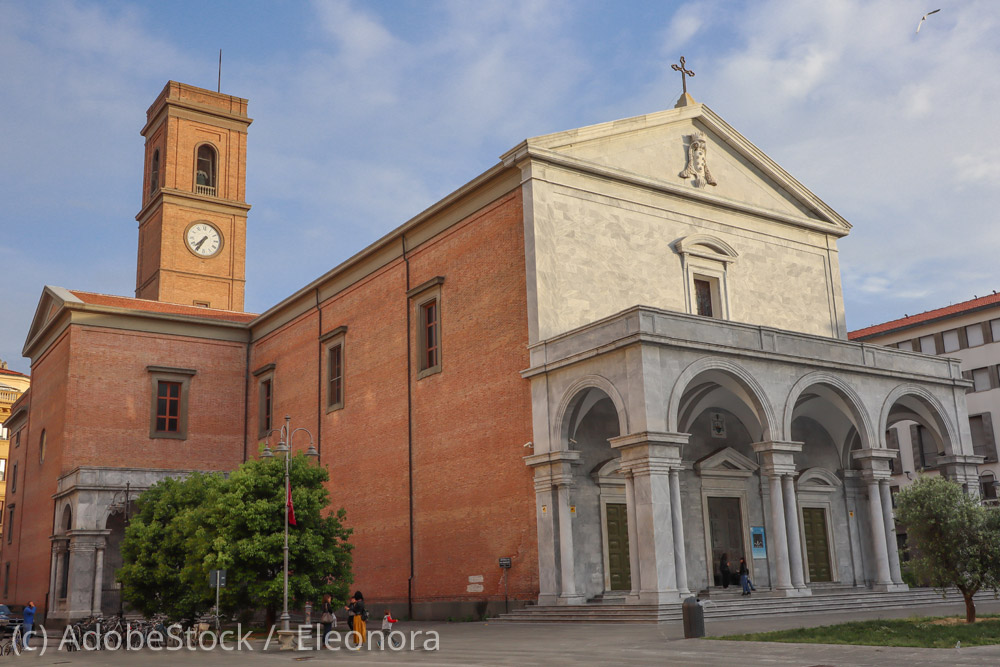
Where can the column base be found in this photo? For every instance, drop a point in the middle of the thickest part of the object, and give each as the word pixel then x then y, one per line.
pixel 794 592
pixel 571 599
pixel 890 588
pixel 659 597
pixel 548 599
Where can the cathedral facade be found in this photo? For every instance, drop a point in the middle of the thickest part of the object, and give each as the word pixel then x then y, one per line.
pixel 613 358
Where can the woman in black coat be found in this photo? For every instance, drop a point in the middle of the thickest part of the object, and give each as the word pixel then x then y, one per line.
pixel 724 570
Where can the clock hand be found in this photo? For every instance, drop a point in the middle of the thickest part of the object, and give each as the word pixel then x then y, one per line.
pixel 197 246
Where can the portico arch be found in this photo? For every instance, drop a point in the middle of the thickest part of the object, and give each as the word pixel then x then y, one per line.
pixel 577 402
pixel 697 386
pixel 914 403
pixel 837 393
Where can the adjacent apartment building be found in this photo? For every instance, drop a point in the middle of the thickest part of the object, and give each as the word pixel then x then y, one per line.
pixel 967 331
pixel 12 387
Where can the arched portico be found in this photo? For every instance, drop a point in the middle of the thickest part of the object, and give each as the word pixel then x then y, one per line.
pixel 779 435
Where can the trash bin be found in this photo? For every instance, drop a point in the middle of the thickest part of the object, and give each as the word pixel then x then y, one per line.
pixel 694 618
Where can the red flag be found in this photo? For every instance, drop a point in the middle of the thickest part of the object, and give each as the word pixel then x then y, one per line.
pixel 291 508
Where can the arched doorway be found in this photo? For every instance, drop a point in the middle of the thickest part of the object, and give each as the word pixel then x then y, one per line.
pixel 598 509
pixel 725 412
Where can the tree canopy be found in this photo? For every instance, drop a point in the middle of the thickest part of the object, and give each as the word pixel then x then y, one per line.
pixel 953 539
pixel 185 528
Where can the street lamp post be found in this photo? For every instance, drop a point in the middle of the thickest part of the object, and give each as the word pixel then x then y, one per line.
pixel 285 445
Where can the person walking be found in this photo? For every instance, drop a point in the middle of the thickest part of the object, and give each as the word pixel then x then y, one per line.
pixel 28 623
pixel 327 619
pixel 387 622
pixel 744 576
pixel 724 570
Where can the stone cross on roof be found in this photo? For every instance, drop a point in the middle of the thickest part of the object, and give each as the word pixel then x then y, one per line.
pixel 684 73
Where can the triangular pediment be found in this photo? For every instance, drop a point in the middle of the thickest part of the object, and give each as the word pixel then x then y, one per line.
pixel 657 147
pixel 726 461
pixel 49 304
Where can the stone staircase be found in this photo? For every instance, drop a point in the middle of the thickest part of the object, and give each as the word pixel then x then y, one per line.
pixel 730 605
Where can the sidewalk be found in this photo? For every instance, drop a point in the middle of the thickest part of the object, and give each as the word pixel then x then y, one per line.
pixel 576 644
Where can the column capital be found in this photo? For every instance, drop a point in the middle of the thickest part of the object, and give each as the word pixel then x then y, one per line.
pixel 650 452
pixel 777 456
pixel 875 462
pixel 553 468
pixel 962 468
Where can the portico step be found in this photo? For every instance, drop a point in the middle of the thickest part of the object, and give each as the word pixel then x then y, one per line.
pixel 721 608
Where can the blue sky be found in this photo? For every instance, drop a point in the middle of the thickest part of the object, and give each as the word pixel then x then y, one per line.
pixel 365 113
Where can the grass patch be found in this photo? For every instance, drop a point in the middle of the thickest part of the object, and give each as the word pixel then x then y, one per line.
pixel 925 632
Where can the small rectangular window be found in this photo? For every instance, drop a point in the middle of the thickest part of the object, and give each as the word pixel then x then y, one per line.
pixel 974 333
pixel 981 379
pixel 266 402
pixel 335 391
pixel 10 521
pixel 905 345
pixel 13 479
pixel 168 407
pixel 430 354
pixel 703 297
pixel 203 304
pixel 951 342
pixel 927 345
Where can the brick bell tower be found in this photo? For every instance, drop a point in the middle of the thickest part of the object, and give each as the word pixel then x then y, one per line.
pixel 192 226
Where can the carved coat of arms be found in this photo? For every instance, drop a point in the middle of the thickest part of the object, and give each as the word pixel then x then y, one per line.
pixel 697 164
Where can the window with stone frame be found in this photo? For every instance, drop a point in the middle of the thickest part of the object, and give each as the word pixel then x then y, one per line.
pixel 988 486
pixel 705 260
pixel 265 399
pixel 427 299
pixel 334 344
pixel 10 521
pixel 3 469
pixel 13 479
pixel 923 446
pixel 170 389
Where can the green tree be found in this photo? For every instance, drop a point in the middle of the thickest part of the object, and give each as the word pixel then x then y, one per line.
pixel 250 536
pixel 185 528
pixel 165 547
pixel 953 539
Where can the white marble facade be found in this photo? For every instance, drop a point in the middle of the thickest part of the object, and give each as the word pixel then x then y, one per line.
pixel 700 430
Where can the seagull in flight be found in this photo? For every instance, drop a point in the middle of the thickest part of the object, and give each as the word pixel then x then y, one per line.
pixel 924 18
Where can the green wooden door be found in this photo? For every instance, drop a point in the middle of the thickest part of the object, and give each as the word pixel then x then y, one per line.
pixel 817 547
pixel 618 562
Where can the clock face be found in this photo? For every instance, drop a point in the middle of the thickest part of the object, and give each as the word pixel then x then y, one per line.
pixel 203 239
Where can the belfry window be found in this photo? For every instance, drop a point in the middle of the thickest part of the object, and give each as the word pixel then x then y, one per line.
pixel 205 171
pixel 154 172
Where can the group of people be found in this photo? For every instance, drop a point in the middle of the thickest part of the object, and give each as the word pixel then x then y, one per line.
pixel 744 572
pixel 357 618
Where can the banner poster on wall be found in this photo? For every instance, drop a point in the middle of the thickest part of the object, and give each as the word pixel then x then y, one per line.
pixel 757 542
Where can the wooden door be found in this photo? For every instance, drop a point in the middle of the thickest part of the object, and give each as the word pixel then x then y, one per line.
pixel 726 529
pixel 618 560
pixel 817 546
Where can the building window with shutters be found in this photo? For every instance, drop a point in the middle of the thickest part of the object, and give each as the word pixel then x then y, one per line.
pixel 988 487
pixel 925 449
pixel 168 415
pixel 983 444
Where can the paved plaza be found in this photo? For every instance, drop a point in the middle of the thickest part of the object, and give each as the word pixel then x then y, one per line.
pixel 593 644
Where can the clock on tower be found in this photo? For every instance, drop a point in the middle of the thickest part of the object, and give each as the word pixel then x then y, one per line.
pixel 192 226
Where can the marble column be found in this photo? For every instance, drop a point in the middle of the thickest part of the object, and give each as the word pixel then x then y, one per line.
pixel 633 537
pixel 567 594
pixel 649 456
pixel 677 519
pixel 792 527
pixel 552 470
pixel 877 521
pixel 875 469
pixel 784 549
pixel 779 535
pixel 98 580
pixel 892 548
